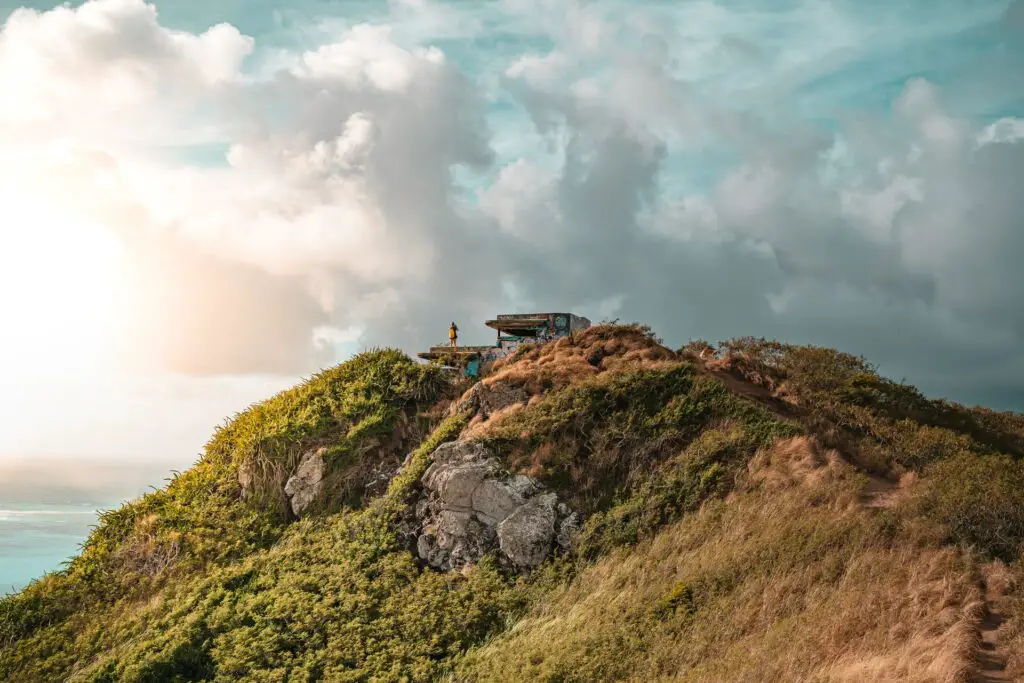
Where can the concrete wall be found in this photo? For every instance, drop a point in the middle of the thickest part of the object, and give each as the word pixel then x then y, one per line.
pixel 578 323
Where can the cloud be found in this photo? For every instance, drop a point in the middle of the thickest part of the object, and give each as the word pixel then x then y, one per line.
pixel 199 314
pixel 1004 130
pixel 72 70
pixel 1014 17
pixel 916 234
pixel 719 171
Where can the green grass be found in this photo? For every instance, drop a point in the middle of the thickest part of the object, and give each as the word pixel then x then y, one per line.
pixel 357 409
pixel 335 597
pixel 979 500
pixel 891 423
pixel 196 582
pixel 653 439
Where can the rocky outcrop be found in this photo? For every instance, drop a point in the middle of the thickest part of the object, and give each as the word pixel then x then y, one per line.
pixel 246 475
pixel 305 485
pixel 525 536
pixel 489 398
pixel 471 505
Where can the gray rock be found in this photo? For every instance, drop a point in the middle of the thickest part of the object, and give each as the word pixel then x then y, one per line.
pixel 246 475
pixel 471 505
pixel 523 485
pixel 455 452
pixel 451 525
pixel 429 551
pixel 305 485
pixel 525 536
pixel 567 531
pixel 455 539
pixel 455 484
pixel 494 500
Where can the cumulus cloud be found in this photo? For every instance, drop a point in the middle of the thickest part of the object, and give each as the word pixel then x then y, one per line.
pixel 668 165
pixel 816 237
pixel 72 70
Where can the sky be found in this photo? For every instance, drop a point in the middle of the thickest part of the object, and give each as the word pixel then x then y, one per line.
pixel 202 202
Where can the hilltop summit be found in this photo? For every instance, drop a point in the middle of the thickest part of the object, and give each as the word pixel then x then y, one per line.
pixel 592 506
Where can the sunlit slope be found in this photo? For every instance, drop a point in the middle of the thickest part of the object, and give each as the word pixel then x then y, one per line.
pixel 747 512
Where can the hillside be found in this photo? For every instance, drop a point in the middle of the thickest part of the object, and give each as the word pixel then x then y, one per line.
pixel 599 508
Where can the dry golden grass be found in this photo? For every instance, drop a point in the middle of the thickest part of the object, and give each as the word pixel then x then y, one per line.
pixel 1011 640
pixel 591 352
pixel 790 579
pixel 1002 584
pixel 731 364
pixel 799 461
pixel 480 424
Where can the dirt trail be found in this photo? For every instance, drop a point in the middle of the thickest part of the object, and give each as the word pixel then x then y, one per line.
pixel 991 659
pixel 880 493
pixel 751 390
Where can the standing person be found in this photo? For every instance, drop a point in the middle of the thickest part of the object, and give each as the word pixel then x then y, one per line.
pixel 453 336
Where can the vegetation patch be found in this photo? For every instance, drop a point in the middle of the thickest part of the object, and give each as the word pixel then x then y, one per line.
pixel 979 500
pixel 636 449
pixel 199 521
pixel 843 398
pixel 725 533
pixel 790 584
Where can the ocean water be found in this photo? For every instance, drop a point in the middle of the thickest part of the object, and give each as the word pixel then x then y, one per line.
pixel 37 538
pixel 49 505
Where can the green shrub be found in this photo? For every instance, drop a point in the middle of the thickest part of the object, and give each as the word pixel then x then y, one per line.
pixel 366 408
pixel 194 583
pixel 873 413
pixel 979 500
pixel 706 468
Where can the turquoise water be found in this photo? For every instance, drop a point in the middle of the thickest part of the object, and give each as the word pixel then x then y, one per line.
pixel 48 506
pixel 37 538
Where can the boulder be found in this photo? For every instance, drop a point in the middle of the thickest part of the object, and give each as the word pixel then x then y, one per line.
pixel 456 483
pixel 525 536
pixel 494 500
pixel 471 505
pixel 305 485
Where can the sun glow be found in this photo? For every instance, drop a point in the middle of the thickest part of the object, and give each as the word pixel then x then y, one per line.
pixel 59 289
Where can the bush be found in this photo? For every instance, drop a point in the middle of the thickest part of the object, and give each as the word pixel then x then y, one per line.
pixel 979 500
pixel 367 408
pixel 842 393
pixel 193 582
pixel 707 467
